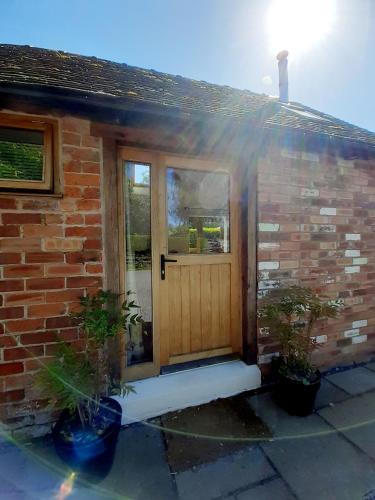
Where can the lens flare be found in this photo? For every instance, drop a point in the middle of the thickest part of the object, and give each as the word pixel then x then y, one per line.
pixel 66 487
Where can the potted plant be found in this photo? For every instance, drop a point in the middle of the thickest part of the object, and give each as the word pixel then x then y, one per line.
pixel 290 314
pixel 80 383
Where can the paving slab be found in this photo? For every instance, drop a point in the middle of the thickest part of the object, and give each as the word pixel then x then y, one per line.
pixel 223 477
pixel 204 433
pixel 138 471
pixel 354 381
pixel 283 425
pixel 329 394
pixel 27 475
pixel 274 489
pixel 312 458
pixel 355 418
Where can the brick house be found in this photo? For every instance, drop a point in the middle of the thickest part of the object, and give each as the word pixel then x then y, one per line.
pixel 196 197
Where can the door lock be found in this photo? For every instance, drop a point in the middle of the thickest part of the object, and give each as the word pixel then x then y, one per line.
pixel 163 260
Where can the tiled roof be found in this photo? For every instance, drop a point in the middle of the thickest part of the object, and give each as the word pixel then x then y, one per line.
pixel 97 77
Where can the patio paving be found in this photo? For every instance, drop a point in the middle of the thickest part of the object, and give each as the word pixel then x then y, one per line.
pixel 354 381
pixel 328 455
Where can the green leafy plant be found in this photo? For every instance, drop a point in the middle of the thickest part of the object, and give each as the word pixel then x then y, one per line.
pixel 77 380
pixel 290 314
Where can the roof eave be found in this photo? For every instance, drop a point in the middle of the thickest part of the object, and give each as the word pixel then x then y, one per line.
pixel 118 110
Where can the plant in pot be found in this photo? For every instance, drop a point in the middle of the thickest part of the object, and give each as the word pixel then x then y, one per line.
pixel 290 314
pixel 80 383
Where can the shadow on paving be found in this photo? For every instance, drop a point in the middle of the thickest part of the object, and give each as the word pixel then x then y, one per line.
pixel 203 434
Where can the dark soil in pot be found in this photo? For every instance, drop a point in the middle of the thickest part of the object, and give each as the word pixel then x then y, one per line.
pixel 297 396
pixel 88 447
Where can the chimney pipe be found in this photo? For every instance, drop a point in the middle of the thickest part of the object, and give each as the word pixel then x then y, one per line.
pixel 282 57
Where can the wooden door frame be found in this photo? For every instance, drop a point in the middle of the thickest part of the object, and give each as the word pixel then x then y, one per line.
pixel 159 160
pixel 147 369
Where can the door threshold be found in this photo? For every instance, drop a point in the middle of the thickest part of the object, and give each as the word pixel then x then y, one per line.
pixel 156 396
pixel 198 363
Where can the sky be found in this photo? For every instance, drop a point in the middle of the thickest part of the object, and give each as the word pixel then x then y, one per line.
pixel 229 42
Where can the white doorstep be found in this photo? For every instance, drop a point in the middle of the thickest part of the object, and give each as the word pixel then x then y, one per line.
pixel 175 391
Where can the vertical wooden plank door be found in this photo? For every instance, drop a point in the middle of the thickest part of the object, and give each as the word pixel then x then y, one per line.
pixel 199 299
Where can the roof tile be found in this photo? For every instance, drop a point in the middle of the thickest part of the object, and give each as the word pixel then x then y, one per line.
pixel 91 76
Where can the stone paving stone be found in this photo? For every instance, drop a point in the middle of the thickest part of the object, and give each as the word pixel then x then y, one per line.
pixel 322 466
pixel 224 476
pixel 354 381
pixel 355 418
pixel 270 490
pixel 26 474
pixel 329 394
pixel 281 424
pixel 371 366
pixel 138 471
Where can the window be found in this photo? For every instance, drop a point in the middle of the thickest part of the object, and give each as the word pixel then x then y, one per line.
pixel 137 191
pixel 198 211
pixel 26 153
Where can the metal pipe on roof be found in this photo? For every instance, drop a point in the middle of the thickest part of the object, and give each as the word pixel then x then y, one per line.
pixel 282 57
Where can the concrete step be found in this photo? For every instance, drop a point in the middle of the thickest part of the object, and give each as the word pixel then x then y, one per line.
pixel 175 391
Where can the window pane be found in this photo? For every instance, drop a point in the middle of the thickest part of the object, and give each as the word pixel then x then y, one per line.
pixel 21 154
pixel 137 191
pixel 198 211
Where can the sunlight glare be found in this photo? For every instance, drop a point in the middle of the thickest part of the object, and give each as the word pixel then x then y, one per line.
pixel 297 25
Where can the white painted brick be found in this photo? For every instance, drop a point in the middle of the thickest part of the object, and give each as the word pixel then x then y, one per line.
pixel 310 156
pixel 268 265
pixel 351 333
pixel 359 339
pixel 267 358
pixel 268 226
pixel 268 284
pixel 311 193
pixel 328 211
pixel 321 339
pixel 360 260
pixel 352 253
pixel 352 269
pixel 268 246
pixel 359 323
pixel 264 275
pixel 289 153
pixel 352 237
pixel 264 332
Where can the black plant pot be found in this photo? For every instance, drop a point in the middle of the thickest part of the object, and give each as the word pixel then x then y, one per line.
pixel 294 396
pixel 87 447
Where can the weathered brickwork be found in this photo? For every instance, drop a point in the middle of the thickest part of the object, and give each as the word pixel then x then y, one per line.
pixel 317 228
pixel 316 225
pixel 50 255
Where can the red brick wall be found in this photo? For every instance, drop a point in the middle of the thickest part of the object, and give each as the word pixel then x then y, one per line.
pixel 50 255
pixel 317 228
pixel 316 219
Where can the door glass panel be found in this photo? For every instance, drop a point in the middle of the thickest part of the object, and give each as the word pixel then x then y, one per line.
pixel 137 191
pixel 197 211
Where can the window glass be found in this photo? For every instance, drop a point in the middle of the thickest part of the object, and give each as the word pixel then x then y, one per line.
pixel 21 154
pixel 197 211
pixel 137 190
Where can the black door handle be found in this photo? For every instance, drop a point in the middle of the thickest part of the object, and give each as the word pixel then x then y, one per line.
pixel 163 260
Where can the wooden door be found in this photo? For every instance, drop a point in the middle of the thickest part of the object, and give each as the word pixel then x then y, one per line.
pixel 199 294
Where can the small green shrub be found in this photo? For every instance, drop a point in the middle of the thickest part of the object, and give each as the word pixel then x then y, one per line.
pixel 290 315
pixel 77 380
